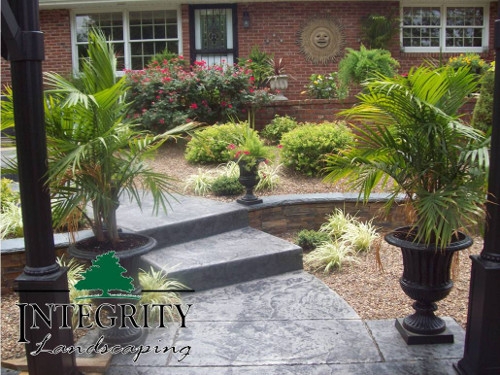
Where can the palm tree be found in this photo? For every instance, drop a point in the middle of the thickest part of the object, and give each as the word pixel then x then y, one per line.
pixel 95 154
pixel 413 143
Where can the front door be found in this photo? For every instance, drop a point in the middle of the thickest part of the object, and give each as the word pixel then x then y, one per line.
pixel 213 33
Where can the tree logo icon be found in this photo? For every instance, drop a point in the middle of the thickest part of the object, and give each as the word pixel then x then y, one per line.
pixel 106 274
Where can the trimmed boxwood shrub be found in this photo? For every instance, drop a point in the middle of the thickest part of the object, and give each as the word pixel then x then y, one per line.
pixel 226 186
pixel 310 239
pixel 277 127
pixel 304 148
pixel 210 144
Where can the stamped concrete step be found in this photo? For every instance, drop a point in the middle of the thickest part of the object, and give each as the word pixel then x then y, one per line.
pixel 226 258
pixel 187 218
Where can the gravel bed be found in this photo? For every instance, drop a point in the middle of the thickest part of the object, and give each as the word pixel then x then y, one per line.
pixel 374 293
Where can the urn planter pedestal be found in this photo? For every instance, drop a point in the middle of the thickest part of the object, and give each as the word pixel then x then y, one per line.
pixel 249 178
pixel 426 279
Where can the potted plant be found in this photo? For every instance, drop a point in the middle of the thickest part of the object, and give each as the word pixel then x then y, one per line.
pixel 96 157
pixel 248 155
pixel 278 81
pixel 413 143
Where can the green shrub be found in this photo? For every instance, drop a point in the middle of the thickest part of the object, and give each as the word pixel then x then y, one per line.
pixel 358 66
pixel 277 127
pixel 226 186
pixel 210 144
pixel 304 148
pixel 310 239
pixel 482 115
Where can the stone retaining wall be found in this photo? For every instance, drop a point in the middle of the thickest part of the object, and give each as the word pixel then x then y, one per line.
pixel 278 214
pixel 281 214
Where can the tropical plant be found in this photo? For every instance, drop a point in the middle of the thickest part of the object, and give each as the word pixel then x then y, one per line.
pixel 95 155
pixel 378 30
pixel 258 63
pixel 359 66
pixel 412 142
pixel 250 151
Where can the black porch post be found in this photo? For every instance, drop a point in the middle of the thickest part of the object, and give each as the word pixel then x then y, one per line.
pixel 43 281
pixel 482 338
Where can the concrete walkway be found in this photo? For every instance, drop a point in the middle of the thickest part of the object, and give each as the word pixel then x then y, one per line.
pixel 255 311
pixel 276 323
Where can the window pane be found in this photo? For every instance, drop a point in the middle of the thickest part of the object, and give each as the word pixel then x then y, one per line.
pixel 464 26
pixel 148 30
pixel 421 26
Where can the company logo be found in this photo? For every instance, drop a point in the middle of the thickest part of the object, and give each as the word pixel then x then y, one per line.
pixel 106 276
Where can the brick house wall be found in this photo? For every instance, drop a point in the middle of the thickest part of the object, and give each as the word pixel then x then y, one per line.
pixel 274 27
pixel 56 26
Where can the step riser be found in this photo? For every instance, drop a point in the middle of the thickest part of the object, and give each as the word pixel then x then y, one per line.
pixel 195 229
pixel 233 272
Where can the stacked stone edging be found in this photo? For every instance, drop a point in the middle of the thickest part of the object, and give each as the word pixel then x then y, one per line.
pixel 277 214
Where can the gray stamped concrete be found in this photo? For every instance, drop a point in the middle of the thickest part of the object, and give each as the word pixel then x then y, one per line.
pixel 286 324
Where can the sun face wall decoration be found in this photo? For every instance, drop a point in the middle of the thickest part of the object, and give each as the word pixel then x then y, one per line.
pixel 321 40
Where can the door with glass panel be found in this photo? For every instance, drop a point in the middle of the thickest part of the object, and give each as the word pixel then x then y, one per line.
pixel 213 34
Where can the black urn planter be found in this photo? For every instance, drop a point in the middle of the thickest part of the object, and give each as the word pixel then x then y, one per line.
pixel 426 279
pixel 130 260
pixel 249 178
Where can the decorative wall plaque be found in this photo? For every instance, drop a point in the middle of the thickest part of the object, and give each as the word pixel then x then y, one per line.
pixel 321 40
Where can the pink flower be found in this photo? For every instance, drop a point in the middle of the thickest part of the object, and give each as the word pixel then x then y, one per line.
pixel 231 146
pixel 193 106
pixel 162 121
pixel 280 146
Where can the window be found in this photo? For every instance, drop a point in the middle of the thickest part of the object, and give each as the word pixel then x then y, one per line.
pixel 136 35
pixel 444 28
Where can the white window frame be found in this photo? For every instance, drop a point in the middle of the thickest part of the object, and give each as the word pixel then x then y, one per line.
pixel 126 37
pixel 442 39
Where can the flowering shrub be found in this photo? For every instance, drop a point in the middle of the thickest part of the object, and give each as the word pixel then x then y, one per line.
pixel 167 94
pixel 325 87
pixel 304 148
pixel 471 60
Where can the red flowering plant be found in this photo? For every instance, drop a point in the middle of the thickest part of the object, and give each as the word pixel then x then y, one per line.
pixel 166 94
pixel 251 151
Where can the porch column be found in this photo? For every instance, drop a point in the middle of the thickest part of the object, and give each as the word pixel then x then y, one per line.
pixel 43 281
pixel 482 337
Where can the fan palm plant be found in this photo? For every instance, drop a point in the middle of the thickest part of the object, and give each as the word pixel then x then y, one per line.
pixel 95 154
pixel 412 139
pixel 413 142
